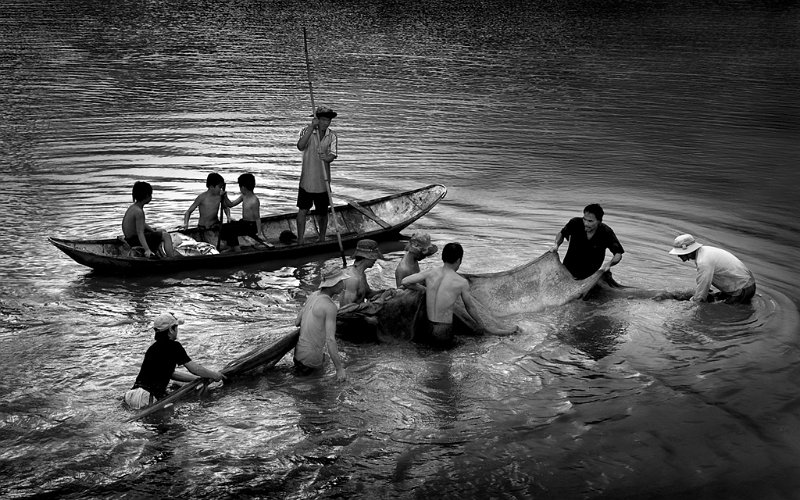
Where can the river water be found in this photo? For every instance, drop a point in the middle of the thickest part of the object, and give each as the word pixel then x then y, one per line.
pixel 675 116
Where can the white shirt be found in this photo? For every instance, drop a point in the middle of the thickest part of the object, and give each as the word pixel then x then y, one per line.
pixel 311 177
pixel 720 268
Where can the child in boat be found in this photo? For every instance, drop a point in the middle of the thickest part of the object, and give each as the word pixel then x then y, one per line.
pixel 209 203
pixel 135 229
pixel 250 224
pixel 159 364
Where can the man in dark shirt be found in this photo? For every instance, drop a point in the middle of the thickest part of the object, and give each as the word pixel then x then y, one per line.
pixel 160 362
pixel 588 240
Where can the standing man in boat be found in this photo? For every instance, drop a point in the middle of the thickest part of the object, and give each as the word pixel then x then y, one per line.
pixel 159 364
pixel 716 267
pixel 417 248
pixel 317 322
pixel 135 229
pixel 320 146
pixel 443 287
pixel 588 239
pixel 357 289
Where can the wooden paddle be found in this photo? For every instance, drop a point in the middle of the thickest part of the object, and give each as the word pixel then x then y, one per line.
pixel 325 165
pixel 221 219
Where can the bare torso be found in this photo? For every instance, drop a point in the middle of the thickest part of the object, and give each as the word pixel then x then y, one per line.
pixel 251 207
pixel 355 288
pixel 208 209
pixel 444 286
pixel 407 266
pixel 133 221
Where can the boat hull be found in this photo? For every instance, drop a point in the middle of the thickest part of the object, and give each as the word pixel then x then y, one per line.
pixel 377 219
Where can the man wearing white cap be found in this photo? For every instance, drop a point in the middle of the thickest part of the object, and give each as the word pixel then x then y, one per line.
pixel 320 146
pixel 716 267
pixel 159 364
pixel 317 322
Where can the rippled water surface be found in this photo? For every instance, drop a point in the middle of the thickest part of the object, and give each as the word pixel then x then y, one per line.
pixel 676 117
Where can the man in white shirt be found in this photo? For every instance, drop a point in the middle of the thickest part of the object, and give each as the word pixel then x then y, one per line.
pixel 716 267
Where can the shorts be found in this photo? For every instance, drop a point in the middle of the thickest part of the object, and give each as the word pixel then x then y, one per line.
pixel 153 239
pixel 440 334
pixel 138 398
pixel 740 296
pixel 230 232
pixel 321 201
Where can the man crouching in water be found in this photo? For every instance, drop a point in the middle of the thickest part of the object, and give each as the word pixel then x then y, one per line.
pixel 443 287
pixel 317 322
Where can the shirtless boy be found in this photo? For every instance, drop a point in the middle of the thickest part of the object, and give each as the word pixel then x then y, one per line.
pixel 208 202
pixel 443 288
pixel 250 224
pixel 317 322
pixel 135 229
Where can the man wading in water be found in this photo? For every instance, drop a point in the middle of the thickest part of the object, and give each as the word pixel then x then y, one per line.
pixel 443 287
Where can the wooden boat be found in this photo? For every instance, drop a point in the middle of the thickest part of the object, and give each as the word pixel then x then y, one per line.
pixel 377 219
pixel 262 358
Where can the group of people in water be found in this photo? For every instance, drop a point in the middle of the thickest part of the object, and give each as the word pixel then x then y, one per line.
pixel 589 239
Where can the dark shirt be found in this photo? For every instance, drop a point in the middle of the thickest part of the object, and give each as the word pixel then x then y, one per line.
pixel 159 362
pixel 585 256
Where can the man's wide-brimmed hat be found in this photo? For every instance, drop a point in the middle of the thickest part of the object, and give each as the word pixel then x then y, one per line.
pixel 166 321
pixel 368 249
pixel 684 244
pixel 333 278
pixel 421 243
pixel 325 112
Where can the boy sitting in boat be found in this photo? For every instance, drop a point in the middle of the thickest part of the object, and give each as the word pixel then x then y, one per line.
pixel 159 364
pixel 250 224
pixel 135 229
pixel 209 203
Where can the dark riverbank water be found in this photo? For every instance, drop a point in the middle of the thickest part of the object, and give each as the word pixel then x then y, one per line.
pixel 676 118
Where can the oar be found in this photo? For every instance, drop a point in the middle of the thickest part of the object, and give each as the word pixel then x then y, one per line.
pixel 325 165
pixel 221 219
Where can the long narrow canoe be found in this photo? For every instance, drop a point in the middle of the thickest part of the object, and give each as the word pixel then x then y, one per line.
pixel 377 219
pixel 260 357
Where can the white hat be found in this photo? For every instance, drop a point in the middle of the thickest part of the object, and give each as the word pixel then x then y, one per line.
pixel 166 321
pixel 333 278
pixel 684 244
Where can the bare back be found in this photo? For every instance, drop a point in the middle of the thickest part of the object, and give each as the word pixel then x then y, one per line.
pixel 317 323
pixel 251 207
pixel 133 222
pixel 208 205
pixel 444 286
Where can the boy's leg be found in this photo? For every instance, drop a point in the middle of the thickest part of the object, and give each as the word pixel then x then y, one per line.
pixel 166 239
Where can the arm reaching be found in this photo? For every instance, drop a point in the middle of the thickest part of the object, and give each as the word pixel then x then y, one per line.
pixel 558 241
pixel 333 348
pixel 201 371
